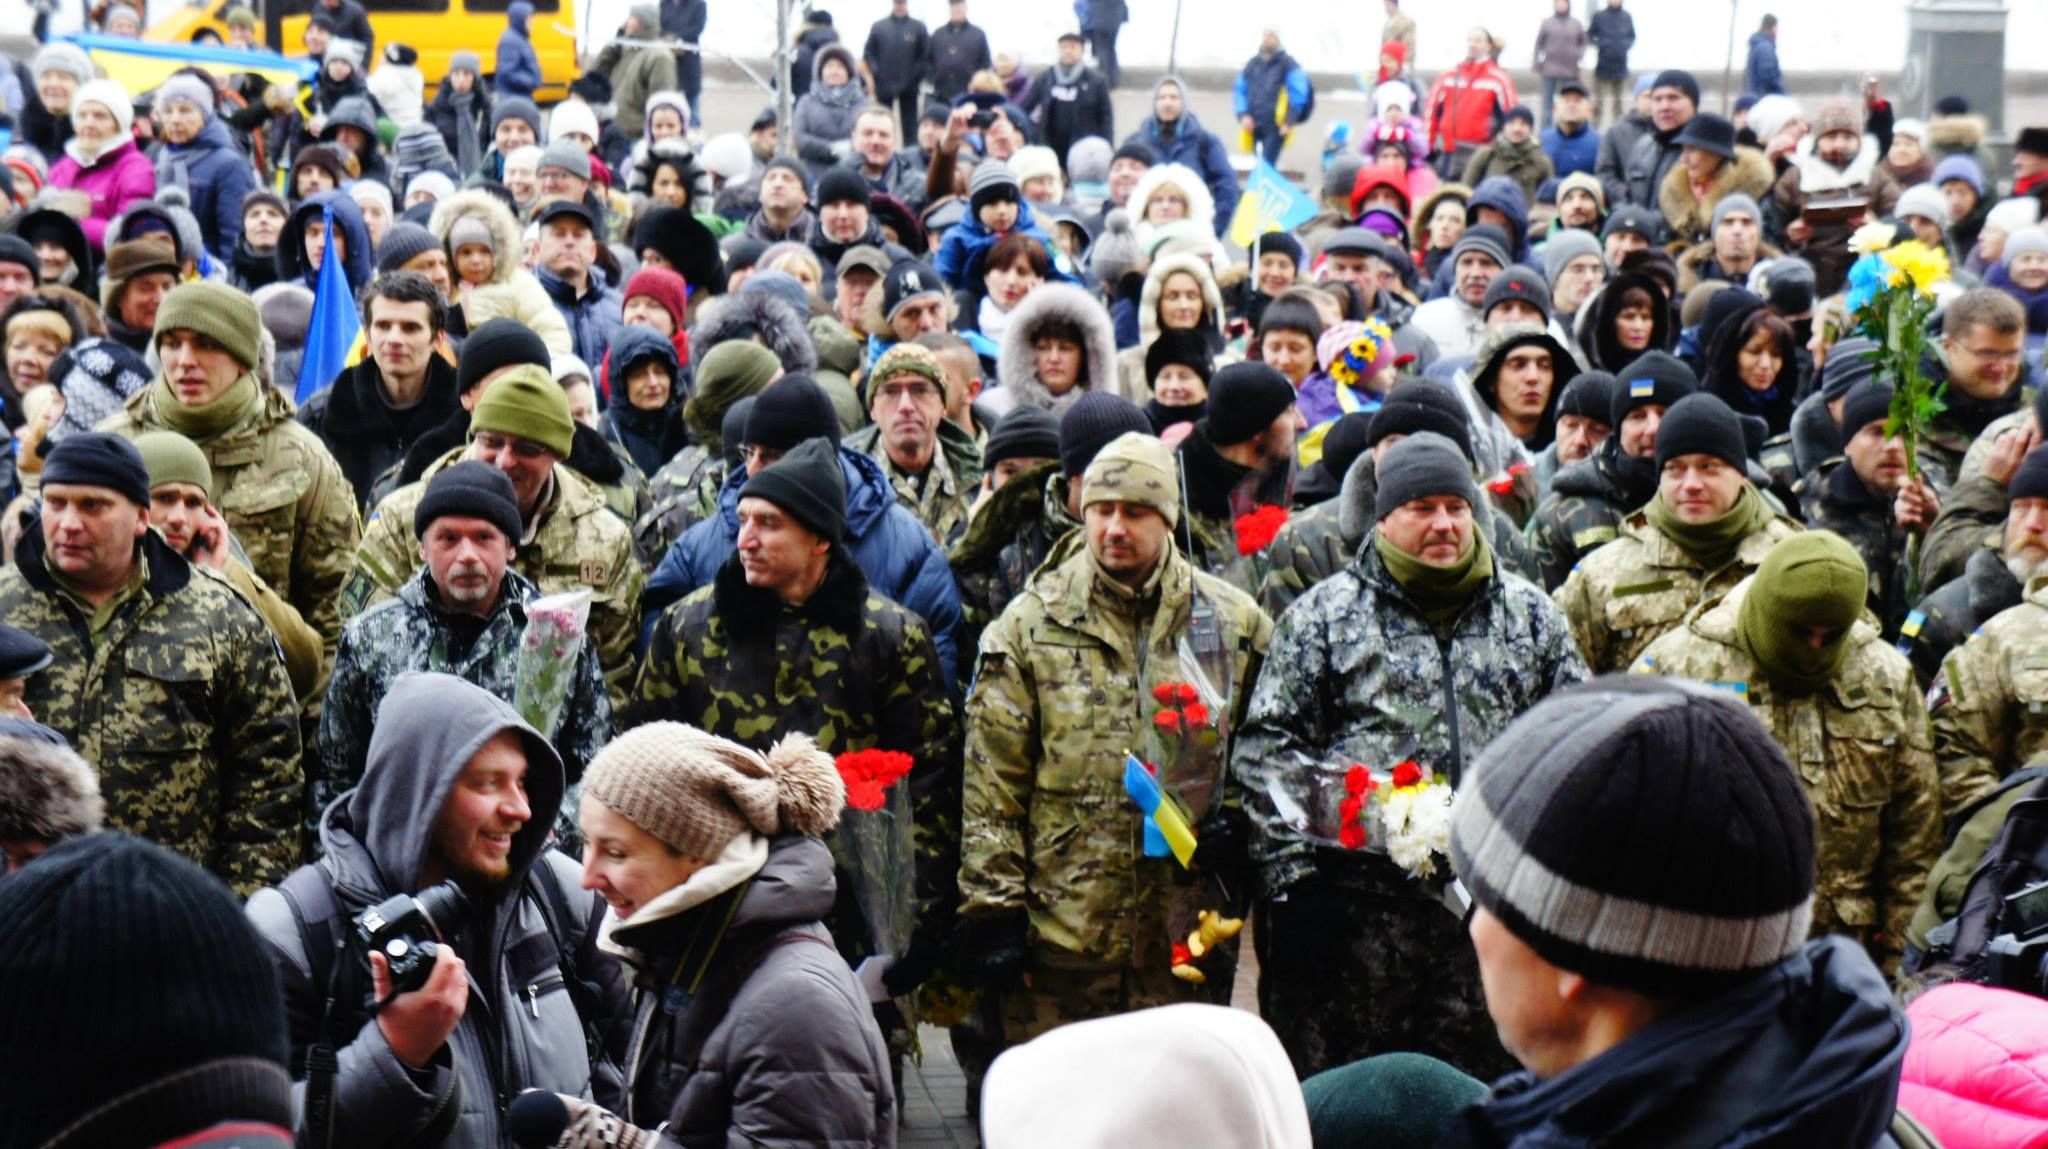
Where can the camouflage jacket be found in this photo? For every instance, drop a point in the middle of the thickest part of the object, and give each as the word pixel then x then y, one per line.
pixel 1062 692
pixel 1321 540
pixel 1004 543
pixel 1639 586
pixel 1955 610
pixel 1980 447
pixel 685 492
pixel 412 631
pixel 1358 675
pixel 182 703
pixel 1962 454
pixel 848 667
pixel 291 508
pixel 1583 511
pixel 1972 518
pixel 1843 505
pixel 949 484
pixel 1989 704
pixel 1862 751
pixel 579 544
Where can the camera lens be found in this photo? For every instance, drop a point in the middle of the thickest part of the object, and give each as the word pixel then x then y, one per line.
pixel 445 907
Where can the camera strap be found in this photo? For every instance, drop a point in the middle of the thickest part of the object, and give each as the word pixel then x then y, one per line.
pixel 317 913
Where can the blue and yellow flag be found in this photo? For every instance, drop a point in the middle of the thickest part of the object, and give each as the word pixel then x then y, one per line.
pixel 139 66
pixel 334 324
pixel 1166 824
pixel 1269 203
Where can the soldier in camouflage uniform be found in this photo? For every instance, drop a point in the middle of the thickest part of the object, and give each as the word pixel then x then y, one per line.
pixel 931 462
pixel 1993 579
pixel 2024 425
pixel 1972 516
pixel 1796 642
pixel 1989 704
pixel 292 510
pixel 462 614
pixel 1419 650
pixel 1238 459
pixel 1705 530
pixel 1588 500
pixel 521 425
pixel 163 676
pixel 685 490
pixel 1065 919
pixel 1866 497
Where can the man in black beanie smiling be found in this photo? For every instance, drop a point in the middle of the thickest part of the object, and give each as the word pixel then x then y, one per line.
pixel 1705 530
pixel 1867 498
pixel 1421 650
pixel 1238 458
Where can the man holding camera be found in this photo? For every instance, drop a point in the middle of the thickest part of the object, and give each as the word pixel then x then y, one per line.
pixel 441 841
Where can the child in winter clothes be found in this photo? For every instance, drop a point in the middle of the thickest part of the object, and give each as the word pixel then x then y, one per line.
pixel 483 244
pixel 996 207
pixel 399 85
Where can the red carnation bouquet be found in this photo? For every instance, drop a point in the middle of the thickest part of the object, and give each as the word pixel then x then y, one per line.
pixel 873 844
pixel 1256 528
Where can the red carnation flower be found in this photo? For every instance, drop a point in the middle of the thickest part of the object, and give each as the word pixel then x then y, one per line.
pixel 1167 720
pixel 1255 529
pixel 1352 836
pixel 868 774
pixel 1197 715
pixel 1186 694
pixel 1407 774
pixel 1164 693
pixel 1347 810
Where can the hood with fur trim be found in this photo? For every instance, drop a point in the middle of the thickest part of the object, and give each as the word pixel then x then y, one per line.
pixel 778 324
pixel 1418 228
pixel 1155 284
pixel 1201 204
pixel 1689 217
pixel 480 204
pixel 1948 135
pixel 1057 303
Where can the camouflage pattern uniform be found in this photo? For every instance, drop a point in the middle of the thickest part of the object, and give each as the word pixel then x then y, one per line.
pixel 1582 512
pixel 1962 454
pixel 685 493
pixel 1634 589
pixel 1358 958
pixel 1062 691
pixel 291 508
pixel 1972 518
pixel 1862 752
pixel 1004 543
pixel 1888 550
pixel 175 690
pixel 413 631
pixel 1972 462
pixel 942 499
pixel 1953 612
pixel 1989 704
pixel 579 543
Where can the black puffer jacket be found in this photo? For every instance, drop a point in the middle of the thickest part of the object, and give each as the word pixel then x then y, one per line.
pixel 365 433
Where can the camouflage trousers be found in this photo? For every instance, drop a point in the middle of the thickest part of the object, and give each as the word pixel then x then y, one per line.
pixel 1368 961
pixel 1062 993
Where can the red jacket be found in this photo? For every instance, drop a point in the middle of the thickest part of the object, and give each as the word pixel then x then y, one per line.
pixel 1467 105
pixel 1976 1072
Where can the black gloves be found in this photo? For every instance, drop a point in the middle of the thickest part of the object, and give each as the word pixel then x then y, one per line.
pixel 915 964
pixel 993 951
pixel 1221 839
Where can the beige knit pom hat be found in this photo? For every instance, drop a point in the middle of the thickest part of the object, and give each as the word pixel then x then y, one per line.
pixel 697 792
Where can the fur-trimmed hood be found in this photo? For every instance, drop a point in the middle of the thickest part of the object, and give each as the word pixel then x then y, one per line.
pixel 1418 227
pixel 778 324
pixel 1155 284
pixel 1058 303
pixel 1749 173
pixel 505 231
pixel 1951 134
pixel 1201 204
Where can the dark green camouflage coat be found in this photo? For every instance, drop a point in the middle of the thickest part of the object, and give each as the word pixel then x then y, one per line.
pixel 1004 543
pixel 182 703
pixel 942 500
pixel 412 631
pixel 1972 518
pixel 1582 512
pixel 685 493
pixel 1946 618
pixel 1832 501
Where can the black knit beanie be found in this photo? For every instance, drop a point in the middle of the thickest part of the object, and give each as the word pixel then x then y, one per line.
pixel 1868 403
pixel 1680 79
pixel 1590 395
pixel 732 433
pixel 1522 283
pixel 1027 432
pixel 788 411
pixel 404 243
pixel 473 489
pixel 1420 466
pixel 808 485
pixel 2031 480
pixel 16 250
pixel 1654 378
pixel 498 343
pixel 1849 363
pixel 134 998
pixel 841 185
pixel 1645 833
pixel 1184 346
pixel 1089 425
pixel 97 459
pixel 1701 424
pixel 1244 400
pixel 1345 441
pixel 1421 405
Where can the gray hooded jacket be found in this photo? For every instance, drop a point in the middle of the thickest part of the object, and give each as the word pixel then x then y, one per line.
pixel 521 1028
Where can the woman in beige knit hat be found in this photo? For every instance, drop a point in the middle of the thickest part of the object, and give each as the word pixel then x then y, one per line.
pixel 748 1025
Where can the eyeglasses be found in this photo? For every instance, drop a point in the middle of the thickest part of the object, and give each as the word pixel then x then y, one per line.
pixel 916 392
pixel 525 449
pixel 1993 356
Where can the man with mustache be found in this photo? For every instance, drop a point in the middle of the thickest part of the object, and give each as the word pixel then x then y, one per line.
pixel 2006 556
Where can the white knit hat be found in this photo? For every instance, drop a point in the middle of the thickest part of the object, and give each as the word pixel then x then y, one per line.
pixel 109 95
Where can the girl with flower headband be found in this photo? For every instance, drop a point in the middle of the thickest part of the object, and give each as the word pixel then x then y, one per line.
pixel 1357 370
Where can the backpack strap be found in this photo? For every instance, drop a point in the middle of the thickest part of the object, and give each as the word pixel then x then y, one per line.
pixel 569 931
pixel 318 915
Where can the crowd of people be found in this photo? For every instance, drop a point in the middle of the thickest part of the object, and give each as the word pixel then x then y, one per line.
pixel 752 591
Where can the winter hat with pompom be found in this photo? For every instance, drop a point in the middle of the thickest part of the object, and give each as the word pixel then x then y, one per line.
pixel 697 792
pixel 1116 252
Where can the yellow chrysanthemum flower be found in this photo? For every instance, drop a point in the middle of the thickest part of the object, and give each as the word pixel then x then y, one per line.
pixel 1924 265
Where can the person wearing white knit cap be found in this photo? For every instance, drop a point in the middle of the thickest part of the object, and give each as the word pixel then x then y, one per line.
pixel 748 1025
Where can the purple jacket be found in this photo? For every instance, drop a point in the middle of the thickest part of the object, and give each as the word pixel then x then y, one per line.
pixel 118 178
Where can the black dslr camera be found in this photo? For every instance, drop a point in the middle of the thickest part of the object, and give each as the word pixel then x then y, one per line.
pixel 2018 958
pixel 408 929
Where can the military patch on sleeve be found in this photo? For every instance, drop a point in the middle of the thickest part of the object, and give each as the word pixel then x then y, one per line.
pixel 1592 537
pixel 1914 620
pixel 1739 689
pixel 593 571
pixel 1651 587
pixel 354 593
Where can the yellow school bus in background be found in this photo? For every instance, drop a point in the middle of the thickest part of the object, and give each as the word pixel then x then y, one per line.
pixel 436 29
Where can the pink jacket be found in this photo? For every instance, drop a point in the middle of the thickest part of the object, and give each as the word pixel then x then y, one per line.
pixel 121 176
pixel 1976 1072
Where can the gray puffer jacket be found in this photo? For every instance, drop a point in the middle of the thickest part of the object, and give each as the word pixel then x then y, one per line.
pixel 778 1045
pixel 521 1029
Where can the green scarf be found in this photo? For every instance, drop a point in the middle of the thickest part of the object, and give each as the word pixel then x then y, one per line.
pixel 1712 544
pixel 206 420
pixel 1812 579
pixel 1440 593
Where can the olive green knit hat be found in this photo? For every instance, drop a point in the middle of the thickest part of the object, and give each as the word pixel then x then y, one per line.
pixel 527 402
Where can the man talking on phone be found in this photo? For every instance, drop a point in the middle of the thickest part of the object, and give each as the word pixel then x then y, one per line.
pixel 181 509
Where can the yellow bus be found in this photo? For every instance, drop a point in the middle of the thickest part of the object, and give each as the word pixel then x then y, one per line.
pixel 436 29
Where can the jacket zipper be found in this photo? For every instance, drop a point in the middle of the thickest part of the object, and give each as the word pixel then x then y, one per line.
pixel 544 985
pixel 1443 649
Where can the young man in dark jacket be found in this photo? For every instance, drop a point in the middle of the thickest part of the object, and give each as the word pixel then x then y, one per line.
pixel 1070 100
pixel 893 63
pixel 955 52
pixel 1612 34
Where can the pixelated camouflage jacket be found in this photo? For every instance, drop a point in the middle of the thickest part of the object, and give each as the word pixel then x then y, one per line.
pixel 578 544
pixel 1062 692
pixel 1989 704
pixel 1972 518
pixel 1583 511
pixel 949 486
pixel 413 631
pixel 1863 517
pixel 848 667
pixel 183 704
pixel 1005 541
pixel 1862 751
pixel 1944 619
pixel 1962 454
pixel 1626 594
pixel 291 508
pixel 1358 675
pixel 685 492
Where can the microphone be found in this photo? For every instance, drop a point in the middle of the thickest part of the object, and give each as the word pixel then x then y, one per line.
pixel 536 1119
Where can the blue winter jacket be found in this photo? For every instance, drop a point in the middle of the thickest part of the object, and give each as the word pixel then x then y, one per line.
pixel 216 176
pixel 962 249
pixel 1259 88
pixel 518 66
pixel 593 319
pixel 1570 154
pixel 1197 148
pixel 1761 77
pixel 892 548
